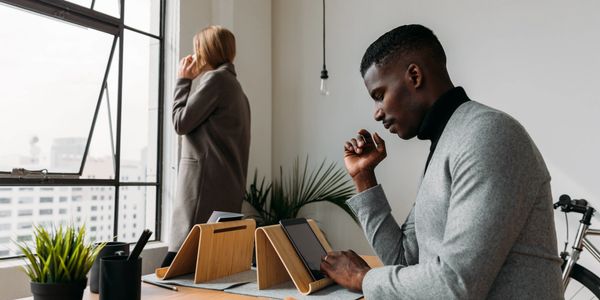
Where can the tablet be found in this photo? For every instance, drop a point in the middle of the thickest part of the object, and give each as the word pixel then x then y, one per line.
pixel 307 245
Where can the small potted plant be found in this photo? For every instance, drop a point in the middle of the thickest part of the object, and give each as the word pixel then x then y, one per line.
pixel 58 262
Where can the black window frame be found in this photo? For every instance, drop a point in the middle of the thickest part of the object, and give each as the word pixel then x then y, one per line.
pixel 73 13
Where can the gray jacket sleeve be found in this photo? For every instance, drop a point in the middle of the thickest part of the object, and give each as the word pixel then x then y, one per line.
pixel 189 111
pixel 381 228
pixel 495 177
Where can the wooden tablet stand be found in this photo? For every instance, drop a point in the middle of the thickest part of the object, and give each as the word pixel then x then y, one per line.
pixel 277 260
pixel 213 251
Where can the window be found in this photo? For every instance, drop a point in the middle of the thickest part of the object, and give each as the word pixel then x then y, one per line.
pixel 25 200
pixel 25 212
pixel 24 238
pixel 5 200
pixel 45 212
pixel 46 199
pixel 67 125
pixel 45 224
pixel 25 225
pixel 94 218
pixel 5 226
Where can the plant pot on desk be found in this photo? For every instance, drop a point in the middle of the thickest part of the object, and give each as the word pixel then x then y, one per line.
pixel 58 291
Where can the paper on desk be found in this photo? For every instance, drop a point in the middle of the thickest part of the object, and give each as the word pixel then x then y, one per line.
pixel 217 284
pixel 288 289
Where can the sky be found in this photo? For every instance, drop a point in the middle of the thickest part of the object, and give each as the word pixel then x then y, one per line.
pixel 51 74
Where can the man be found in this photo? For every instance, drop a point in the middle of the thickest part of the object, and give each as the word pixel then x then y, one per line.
pixel 482 225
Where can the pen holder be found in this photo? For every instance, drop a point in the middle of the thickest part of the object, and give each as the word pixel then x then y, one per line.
pixel 120 279
pixel 110 249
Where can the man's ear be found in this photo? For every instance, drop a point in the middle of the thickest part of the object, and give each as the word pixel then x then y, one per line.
pixel 414 75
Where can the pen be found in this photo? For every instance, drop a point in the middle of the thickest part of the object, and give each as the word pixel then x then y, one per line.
pixel 162 285
pixel 139 245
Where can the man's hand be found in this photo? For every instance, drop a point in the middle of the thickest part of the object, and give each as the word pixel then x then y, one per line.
pixel 188 69
pixel 361 155
pixel 346 268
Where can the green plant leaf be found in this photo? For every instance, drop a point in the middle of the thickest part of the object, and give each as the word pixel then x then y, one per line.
pixel 59 256
pixel 286 195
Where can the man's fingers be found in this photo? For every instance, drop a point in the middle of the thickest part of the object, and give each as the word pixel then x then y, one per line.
pixel 365 136
pixel 348 147
pixel 357 148
pixel 325 268
pixel 365 133
pixel 379 141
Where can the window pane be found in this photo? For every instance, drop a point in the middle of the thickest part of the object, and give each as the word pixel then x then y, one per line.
pixel 139 108
pixel 52 73
pixel 143 15
pixel 109 7
pixel 137 211
pixel 84 3
pixel 17 219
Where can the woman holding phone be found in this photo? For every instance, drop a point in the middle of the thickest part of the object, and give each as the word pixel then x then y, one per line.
pixel 214 122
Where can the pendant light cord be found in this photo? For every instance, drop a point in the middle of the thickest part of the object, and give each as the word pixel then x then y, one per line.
pixel 323 34
pixel 324 74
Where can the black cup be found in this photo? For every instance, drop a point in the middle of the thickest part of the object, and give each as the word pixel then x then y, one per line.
pixel 120 279
pixel 110 249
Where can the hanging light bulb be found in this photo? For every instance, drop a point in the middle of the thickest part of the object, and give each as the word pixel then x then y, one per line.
pixel 324 75
pixel 324 86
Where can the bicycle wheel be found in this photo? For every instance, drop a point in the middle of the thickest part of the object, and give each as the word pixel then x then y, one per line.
pixel 583 284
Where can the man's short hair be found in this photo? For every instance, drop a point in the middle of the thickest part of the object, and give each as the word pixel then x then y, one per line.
pixel 400 41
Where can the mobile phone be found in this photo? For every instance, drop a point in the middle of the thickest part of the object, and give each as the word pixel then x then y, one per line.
pixel 306 243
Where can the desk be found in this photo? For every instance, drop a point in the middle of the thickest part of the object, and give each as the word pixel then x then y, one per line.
pixel 151 292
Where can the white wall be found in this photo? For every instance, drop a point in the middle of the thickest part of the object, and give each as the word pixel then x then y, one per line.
pixel 536 60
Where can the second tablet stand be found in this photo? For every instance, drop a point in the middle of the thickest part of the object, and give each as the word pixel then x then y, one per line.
pixel 277 260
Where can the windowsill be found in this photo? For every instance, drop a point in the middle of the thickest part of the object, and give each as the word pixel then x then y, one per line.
pixel 20 261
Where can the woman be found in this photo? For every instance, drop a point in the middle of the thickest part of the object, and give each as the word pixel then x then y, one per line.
pixel 215 124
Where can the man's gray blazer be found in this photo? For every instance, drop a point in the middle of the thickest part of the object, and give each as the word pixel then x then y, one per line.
pixel 482 225
pixel 215 124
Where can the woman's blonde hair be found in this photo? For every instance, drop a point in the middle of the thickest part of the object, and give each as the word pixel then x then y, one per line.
pixel 214 45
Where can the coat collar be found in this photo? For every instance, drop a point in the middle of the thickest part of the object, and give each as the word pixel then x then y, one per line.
pixel 228 67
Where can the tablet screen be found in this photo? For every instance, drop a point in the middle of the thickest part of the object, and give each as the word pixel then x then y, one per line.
pixel 307 245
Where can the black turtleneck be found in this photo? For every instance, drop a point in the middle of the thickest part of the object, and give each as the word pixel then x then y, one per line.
pixel 438 115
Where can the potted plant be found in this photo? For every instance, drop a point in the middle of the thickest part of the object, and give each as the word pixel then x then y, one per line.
pixel 58 262
pixel 285 196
